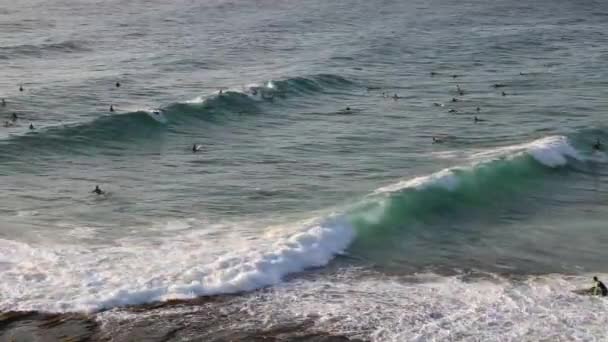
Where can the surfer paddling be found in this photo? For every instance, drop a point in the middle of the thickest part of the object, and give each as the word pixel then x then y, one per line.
pixel 97 190
pixel 196 148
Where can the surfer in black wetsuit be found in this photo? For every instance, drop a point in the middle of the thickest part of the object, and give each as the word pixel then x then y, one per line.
pixel 111 108
pixel 31 126
pixel 14 117
pixel 98 190
pixel 117 84
pixel 20 88
pixel 598 145
pixel 194 148
pixel 3 103
pixel 599 288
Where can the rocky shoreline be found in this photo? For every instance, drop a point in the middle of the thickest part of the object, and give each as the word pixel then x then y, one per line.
pixel 201 319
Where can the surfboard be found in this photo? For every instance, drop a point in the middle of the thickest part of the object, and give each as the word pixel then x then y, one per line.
pixel 584 292
pixel 157 115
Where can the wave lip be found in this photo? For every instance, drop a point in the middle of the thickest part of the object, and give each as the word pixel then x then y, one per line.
pixel 553 151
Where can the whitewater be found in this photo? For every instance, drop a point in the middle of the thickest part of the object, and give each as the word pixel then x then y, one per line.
pixel 73 278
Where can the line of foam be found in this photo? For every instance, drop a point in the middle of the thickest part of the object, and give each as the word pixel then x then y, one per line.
pixel 70 278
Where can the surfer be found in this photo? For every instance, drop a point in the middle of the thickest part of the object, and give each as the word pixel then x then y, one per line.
pixel 452 111
pixel 196 148
pixel 433 73
pixel 460 91
pixel 504 94
pixel 395 97
pixel 598 145
pixel 476 119
pixel 14 117
pixel 117 84
pixel 454 99
pixel 20 88
pixel 221 91
pixel 478 109
pixel 3 103
pixel 348 109
pixel 97 190
pixel 111 108
pixel 437 140
pixel 599 288
pixel 31 126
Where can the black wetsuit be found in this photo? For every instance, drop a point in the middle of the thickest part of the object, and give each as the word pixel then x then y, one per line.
pixel 597 146
pixel 602 287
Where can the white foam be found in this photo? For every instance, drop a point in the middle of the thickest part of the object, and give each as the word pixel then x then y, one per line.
pixel 445 179
pixel 197 100
pixel 27 213
pixel 435 308
pixel 74 278
pixel 83 232
pixel 551 151
pixel 179 224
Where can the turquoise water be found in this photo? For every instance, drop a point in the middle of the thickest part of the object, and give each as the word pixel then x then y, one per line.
pixel 288 180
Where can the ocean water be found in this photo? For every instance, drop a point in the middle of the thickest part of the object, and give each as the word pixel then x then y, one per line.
pixel 301 207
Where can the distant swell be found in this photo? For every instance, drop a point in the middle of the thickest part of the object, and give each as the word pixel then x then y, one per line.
pixel 113 130
pixel 43 50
